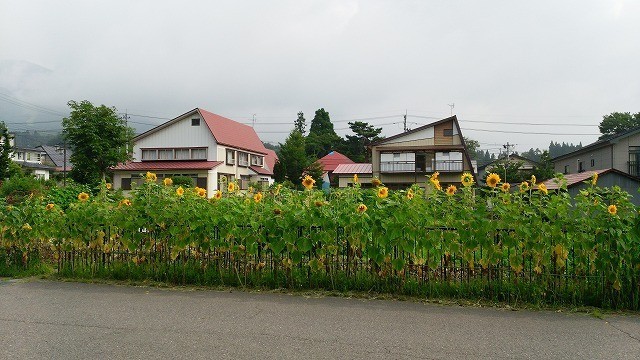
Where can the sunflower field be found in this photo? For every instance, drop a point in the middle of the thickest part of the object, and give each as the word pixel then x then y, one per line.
pixel 493 242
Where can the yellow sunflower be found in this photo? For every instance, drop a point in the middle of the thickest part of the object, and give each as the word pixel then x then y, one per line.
pixel 231 187
pixel 167 182
pixel 83 196
pixel 451 190
pixel 257 197
pixel 217 195
pixel 383 192
pixel 493 179
pixel 362 208
pixel 533 180
pixel 505 187
pixel 200 191
pixel 355 178
pixel 466 179
pixel 436 184
pixel 594 179
pixel 376 182
pixel 125 202
pixel 543 188
pixel 524 186
pixel 612 209
pixel 108 186
pixel 50 206
pixel 308 182
pixel 410 194
pixel 151 177
pixel 180 191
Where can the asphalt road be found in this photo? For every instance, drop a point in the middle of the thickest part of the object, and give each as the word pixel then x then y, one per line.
pixel 55 320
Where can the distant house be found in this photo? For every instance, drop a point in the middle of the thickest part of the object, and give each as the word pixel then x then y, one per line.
pixel 526 164
pixel 345 172
pixel 330 162
pixel 405 159
pixel 606 178
pixel 620 152
pixel 57 157
pixel 210 149
pixel 30 160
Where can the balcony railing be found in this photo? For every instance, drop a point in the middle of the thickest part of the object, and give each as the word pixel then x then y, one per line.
pixel 633 168
pixel 429 166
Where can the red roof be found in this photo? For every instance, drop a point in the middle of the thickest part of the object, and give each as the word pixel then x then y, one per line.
pixel 270 159
pixel 572 179
pixel 167 165
pixel 333 159
pixel 232 133
pixel 353 169
pixel 260 170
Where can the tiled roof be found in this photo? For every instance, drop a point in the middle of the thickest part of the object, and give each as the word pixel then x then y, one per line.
pixel 354 168
pixel 333 159
pixel 260 170
pixel 573 179
pixel 58 157
pixel 167 165
pixel 232 133
pixel 270 159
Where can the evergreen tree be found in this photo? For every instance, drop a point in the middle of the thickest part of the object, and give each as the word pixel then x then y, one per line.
pixel 292 159
pixel 300 124
pixel 5 151
pixel 322 137
pixel 357 146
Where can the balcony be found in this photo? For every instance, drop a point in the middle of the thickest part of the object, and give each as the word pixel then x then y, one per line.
pixel 633 168
pixel 424 167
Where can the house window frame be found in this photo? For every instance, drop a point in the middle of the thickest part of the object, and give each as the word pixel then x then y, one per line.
pixel 231 161
pixel 185 153
pixel 243 159
pixel 195 122
pixel 447 132
pixel 259 160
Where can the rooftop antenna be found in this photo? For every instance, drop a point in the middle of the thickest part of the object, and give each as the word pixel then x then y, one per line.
pixel 452 106
pixel 405 121
pixel 254 121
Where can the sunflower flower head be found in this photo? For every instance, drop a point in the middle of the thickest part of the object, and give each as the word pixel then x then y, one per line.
pixel 231 187
pixel 493 179
pixel 505 187
pixel 543 188
pixel 167 182
pixel 524 186
pixel 594 178
pixel 257 197
pixel 355 178
pixel 308 182
pixel 612 209
pixel 83 196
pixel 180 191
pixel 108 186
pixel 383 192
pixel 200 191
pixel 361 208
pixel 466 179
pixel 277 190
pixel 151 177
pixel 451 190
pixel 434 177
pixel 125 202
pixel 410 194
pixel 436 184
pixel 50 206
pixel 376 182
pixel 217 195
pixel 533 180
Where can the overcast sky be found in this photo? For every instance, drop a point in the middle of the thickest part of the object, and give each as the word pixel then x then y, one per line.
pixel 541 62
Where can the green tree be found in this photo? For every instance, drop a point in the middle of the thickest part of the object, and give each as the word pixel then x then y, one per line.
pixel 5 151
pixel 357 146
pixel 472 148
pixel 99 139
pixel 617 123
pixel 316 170
pixel 292 159
pixel 509 171
pixel 545 170
pixel 322 137
pixel 300 124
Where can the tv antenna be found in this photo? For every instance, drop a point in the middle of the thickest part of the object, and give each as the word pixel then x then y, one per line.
pixel 452 106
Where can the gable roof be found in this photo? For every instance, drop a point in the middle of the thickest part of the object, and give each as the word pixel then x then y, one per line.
pixel 270 159
pixel 574 179
pixel 58 157
pixel 333 159
pixel 226 131
pixel 600 143
pixel 383 140
pixel 355 168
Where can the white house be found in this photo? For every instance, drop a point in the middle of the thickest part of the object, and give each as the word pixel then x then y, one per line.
pixel 209 148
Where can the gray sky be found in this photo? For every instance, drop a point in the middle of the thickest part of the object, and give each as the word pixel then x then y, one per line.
pixel 542 62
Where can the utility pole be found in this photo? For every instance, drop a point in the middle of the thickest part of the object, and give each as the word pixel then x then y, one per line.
pixel 507 147
pixel 405 121
pixel 254 121
pixel 452 105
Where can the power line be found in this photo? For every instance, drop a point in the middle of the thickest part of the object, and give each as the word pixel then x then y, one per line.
pixel 509 122
pixel 530 132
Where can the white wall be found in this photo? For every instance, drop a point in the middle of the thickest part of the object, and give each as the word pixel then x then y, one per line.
pixel 427 133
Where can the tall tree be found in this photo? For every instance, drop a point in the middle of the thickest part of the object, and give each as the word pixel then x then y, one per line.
pixel 99 139
pixel 292 159
pixel 5 151
pixel 472 148
pixel 357 146
pixel 545 170
pixel 322 137
pixel 300 124
pixel 618 122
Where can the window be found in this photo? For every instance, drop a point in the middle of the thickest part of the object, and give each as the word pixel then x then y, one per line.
pixel 256 160
pixel 593 163
pixel 150 154
pixel 231 157
pixel 566 169
pixel 181 154
pixel 195 122
pixel 199 154
pixel 243 159
pixel 164 154
pixel 580 166
pixel 448 132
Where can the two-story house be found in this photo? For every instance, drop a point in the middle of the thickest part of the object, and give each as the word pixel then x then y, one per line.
pixel 405 159
pixel 209 148
pixel 30 160
pixel 620 152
